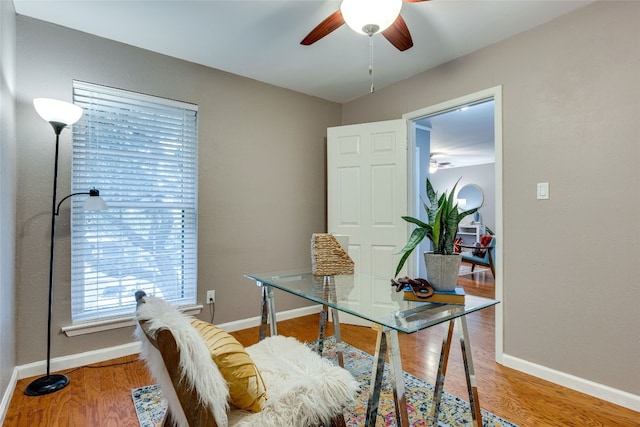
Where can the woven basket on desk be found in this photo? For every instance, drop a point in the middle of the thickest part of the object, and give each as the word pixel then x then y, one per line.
pixel 328 258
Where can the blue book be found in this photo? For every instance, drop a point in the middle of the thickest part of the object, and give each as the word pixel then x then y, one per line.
pixel 444 297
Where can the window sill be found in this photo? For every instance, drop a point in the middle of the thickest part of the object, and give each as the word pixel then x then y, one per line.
pixel 91 327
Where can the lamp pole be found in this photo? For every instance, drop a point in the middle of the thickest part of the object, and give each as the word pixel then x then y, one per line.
pixel 50 383
pixel 57 130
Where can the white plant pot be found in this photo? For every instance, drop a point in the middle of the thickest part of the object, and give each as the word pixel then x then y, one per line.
pixel 442 270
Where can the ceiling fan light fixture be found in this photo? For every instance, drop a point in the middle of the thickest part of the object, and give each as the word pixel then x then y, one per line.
pixel 370 16
pixel 433 166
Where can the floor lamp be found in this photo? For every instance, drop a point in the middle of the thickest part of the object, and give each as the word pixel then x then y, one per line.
pixel 59 114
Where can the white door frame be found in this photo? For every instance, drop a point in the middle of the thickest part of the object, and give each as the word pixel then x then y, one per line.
pixel 494 93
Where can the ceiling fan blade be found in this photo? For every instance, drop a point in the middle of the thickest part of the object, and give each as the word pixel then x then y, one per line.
pixel 398 35
pixel 332 23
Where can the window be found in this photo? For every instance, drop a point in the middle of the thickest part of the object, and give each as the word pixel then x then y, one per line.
pixel 141 152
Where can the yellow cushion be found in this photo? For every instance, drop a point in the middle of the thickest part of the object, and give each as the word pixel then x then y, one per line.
pixel 246 387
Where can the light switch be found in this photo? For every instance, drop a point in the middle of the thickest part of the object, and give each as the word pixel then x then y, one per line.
pixel 543 190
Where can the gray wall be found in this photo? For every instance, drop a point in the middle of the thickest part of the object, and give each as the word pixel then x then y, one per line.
pixel 571 109
pixel 7 192
pixel 262 175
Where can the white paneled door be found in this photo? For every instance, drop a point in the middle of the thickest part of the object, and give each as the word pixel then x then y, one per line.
pixel 367 196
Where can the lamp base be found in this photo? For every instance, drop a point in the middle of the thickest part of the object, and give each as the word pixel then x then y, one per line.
pixel 47 384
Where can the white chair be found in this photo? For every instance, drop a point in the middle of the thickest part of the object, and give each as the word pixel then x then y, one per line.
pixel 302 389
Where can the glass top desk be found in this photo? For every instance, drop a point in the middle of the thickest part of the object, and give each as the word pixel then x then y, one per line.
pixel 373 299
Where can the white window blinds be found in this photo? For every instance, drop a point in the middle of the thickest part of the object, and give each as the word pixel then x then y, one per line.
pixel 141 152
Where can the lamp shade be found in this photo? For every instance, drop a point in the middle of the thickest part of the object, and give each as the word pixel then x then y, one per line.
pixel 370 16
pixel 94 202
pixel 53 110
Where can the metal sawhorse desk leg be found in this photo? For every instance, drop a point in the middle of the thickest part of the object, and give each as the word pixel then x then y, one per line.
pixel 470 375
pixel 329 294
pixel 268 312
pixel 387 340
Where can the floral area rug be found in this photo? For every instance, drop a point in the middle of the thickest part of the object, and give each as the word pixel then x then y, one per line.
pixel 151 407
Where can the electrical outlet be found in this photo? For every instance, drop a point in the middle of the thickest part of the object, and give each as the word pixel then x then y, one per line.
pixel 211 297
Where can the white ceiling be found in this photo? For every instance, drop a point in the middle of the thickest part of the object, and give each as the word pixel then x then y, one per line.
pixel 462 137
pixel 260 39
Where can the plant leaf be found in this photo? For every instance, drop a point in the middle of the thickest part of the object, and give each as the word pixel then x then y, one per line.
pixel 416 221
pixel 432 195
pixel 466 213
pixel 452 221
pixel 401 263
pixel 414 240
pixel 435 232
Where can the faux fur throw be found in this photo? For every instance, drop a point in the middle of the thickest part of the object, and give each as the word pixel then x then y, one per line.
pixel 303 389
pixel 195 360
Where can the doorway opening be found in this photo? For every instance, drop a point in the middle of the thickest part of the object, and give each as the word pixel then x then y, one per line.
pixel 460 139
pixel 456 147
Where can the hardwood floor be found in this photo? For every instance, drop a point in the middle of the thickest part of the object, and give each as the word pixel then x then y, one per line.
pixel 94 397
pixel 101 396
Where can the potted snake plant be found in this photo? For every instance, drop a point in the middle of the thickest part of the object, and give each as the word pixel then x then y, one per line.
pixel 443 218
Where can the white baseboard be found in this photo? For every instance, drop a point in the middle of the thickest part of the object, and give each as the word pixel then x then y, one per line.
pixel 6 397
pixel 582 385
pixel 95 356
pixel 79 359
pixel 255 321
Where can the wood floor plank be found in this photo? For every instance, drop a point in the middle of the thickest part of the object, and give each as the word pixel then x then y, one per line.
pixel 77 410
pixel 52 406
pixel 93 394
pixel 28 412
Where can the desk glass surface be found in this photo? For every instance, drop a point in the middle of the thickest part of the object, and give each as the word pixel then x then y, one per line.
pixel 369 297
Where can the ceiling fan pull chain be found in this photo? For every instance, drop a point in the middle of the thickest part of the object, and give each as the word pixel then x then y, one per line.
pixel 371 60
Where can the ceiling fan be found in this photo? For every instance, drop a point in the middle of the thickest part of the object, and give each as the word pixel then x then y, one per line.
pixel 434 164
pixel 367 17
